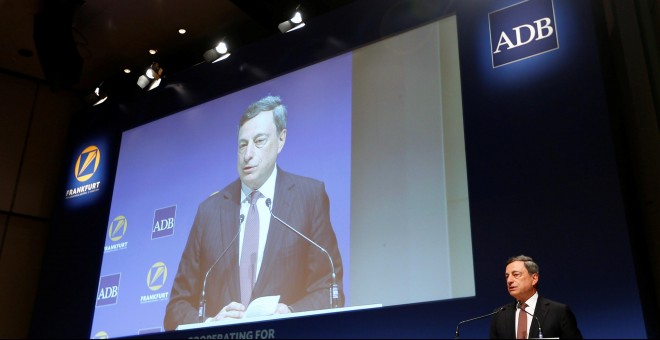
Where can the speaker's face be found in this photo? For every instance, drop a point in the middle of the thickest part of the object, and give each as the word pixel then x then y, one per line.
pixel 519 282
pixel 258 147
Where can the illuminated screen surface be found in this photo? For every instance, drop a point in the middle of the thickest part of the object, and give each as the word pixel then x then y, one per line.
pixel 381 126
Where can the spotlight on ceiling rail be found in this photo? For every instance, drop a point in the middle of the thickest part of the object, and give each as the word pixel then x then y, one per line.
pixel 151 78
pixel 294 23
pixel 99 96
pixel 219 52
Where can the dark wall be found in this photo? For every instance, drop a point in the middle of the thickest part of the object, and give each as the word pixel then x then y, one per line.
pixel 33 130
pixel 545 175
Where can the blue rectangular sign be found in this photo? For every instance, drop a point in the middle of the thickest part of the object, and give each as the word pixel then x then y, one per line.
pixel 521 31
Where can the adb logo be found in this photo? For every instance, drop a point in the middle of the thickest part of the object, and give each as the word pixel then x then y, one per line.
pixel 87 163
pixel 157 276
pixel 521 31
pixel 108 290
pixel 163 222
pixel 117 228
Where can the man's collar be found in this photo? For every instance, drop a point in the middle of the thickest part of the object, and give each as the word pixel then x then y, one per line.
pixel 267 189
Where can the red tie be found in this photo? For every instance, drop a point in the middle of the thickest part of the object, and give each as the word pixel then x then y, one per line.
pixel 248 264
pixel 522 322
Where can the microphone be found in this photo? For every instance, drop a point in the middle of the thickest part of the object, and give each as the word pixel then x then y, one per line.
pixel 334 288
pixel 477 318
pixel 537 319
pixel 202 302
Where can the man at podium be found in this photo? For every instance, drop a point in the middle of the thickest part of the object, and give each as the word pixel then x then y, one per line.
pixel 239 249
pixel 531 315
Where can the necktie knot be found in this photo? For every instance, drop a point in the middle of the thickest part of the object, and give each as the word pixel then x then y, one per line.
pixel 255 196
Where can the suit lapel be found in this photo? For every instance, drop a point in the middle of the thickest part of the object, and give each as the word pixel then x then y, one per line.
pixel 511 320
pixel 540 311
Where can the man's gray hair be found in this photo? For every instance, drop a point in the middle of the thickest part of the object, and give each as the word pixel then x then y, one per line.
pixel 531 266
pixel 268 103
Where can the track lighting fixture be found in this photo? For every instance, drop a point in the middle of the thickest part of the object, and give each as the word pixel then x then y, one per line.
pixel 151 77
pixel 219 52
pixel 154 71
pixel 99 96
pixel 294 23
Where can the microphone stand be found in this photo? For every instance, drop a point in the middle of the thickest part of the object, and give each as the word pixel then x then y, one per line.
pixel 477 318
pixel 334 287
pixel 202 302
pixel 535 317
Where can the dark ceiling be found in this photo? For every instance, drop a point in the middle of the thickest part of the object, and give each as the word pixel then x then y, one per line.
pixel 75 44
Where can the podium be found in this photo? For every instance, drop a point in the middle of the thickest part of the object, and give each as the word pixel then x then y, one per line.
pixel 230 321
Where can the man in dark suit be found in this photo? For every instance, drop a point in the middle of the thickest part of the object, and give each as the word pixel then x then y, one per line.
pixel 557 320
pixel 209 283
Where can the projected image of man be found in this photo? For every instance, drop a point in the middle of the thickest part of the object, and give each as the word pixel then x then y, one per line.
pixel 237 250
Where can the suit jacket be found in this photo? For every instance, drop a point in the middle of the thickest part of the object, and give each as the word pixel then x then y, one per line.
pixel 557 320
pixel 291 267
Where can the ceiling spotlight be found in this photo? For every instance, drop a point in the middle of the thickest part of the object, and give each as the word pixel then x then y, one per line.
pixel 154 84
pixel 152 51
pixel 182 31
pixel 127 70
pixel 143 81
pixel 100 101
pixel 294 23
pixel 154 71
pixel 220 52
pixel 100 95
pixel 222 48
pixel 151 77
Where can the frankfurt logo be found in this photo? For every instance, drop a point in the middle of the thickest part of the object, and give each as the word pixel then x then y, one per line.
pixel 521 31
pixel 87 163
pixel 117 228
pixel 86 166
pixel 101 335
pixel 157 276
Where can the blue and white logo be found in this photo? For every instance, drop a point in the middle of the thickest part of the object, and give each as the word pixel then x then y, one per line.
pixel 163 222
pixel 521 31
pixel 108 290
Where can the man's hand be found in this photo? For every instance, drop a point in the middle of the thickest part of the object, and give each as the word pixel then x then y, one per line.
pixel 282 309
pixel 233 310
